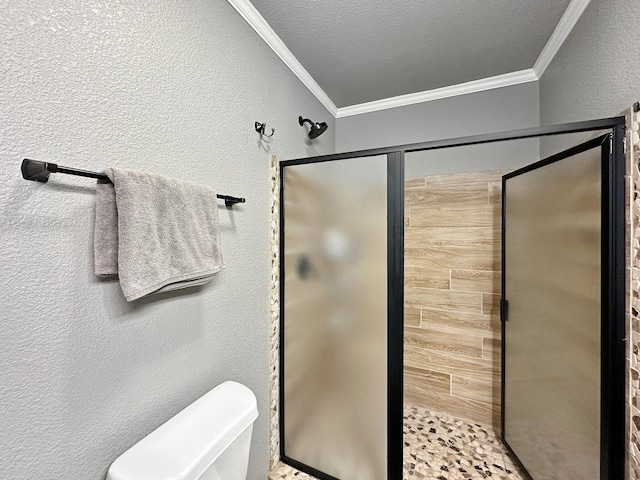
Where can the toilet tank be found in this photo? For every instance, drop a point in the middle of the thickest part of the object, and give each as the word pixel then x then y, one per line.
pixel 208 440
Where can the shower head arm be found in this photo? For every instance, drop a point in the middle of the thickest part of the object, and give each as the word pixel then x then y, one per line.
pixel 302 121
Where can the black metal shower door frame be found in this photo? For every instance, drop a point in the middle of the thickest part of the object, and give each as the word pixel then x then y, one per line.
pixel 612 298
pixel 395 308
pixel 613 420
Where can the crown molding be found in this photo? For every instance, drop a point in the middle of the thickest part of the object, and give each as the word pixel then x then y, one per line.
pixel 563 29
pixel 505 80
pixel 262 28
pixel 569 19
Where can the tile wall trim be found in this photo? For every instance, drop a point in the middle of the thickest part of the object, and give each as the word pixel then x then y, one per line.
pixel 633 318
pixel 274 324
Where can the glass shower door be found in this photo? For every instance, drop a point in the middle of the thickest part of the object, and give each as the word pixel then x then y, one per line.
pixel 556 312
pixel 335 329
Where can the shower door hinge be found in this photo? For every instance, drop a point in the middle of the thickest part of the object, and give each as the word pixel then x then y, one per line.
pixel 611 145
pixel 504 309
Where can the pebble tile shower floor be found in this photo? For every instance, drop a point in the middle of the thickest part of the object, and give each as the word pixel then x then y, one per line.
pixel 440 447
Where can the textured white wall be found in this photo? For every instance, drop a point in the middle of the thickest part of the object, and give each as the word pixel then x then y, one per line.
pixel 497 110
pixel 173 88
pixel 596 73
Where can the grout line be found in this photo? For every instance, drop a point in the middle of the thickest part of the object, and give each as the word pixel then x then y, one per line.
pixel 484 403
pixel 451 310
pixel 435 370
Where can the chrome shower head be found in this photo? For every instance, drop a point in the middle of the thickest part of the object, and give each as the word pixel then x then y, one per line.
pixel 316 129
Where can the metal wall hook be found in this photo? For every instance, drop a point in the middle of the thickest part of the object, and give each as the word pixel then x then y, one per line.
pixel 261 127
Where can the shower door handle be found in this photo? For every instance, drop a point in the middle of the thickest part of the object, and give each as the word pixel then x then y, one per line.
pixel 504 309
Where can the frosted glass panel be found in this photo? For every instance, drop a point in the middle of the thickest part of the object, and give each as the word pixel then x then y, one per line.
pixel 335 317
pixel 552 353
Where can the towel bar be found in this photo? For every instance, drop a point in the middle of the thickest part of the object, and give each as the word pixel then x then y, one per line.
pixel 39 172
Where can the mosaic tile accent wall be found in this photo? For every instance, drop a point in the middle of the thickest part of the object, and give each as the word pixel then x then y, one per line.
pixel 274 327
pixel 633 331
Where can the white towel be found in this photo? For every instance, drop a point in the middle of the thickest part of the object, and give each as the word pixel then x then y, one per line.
pixel 157 234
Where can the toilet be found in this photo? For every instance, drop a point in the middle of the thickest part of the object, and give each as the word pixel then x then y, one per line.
pixel 208 440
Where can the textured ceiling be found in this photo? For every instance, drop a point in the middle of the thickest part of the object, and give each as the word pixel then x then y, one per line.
pixel 364 50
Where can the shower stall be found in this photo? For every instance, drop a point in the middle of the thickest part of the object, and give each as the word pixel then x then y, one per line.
pixel 415 304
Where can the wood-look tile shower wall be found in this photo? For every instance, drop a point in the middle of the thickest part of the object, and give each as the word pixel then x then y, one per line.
pixel 452 292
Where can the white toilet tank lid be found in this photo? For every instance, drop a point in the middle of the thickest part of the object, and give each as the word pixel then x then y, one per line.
pixel 187 444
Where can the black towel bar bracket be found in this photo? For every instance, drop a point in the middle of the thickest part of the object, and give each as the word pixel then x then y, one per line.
pixel 39 172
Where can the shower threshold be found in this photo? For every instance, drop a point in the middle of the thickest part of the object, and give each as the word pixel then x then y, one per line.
pixel 440 447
